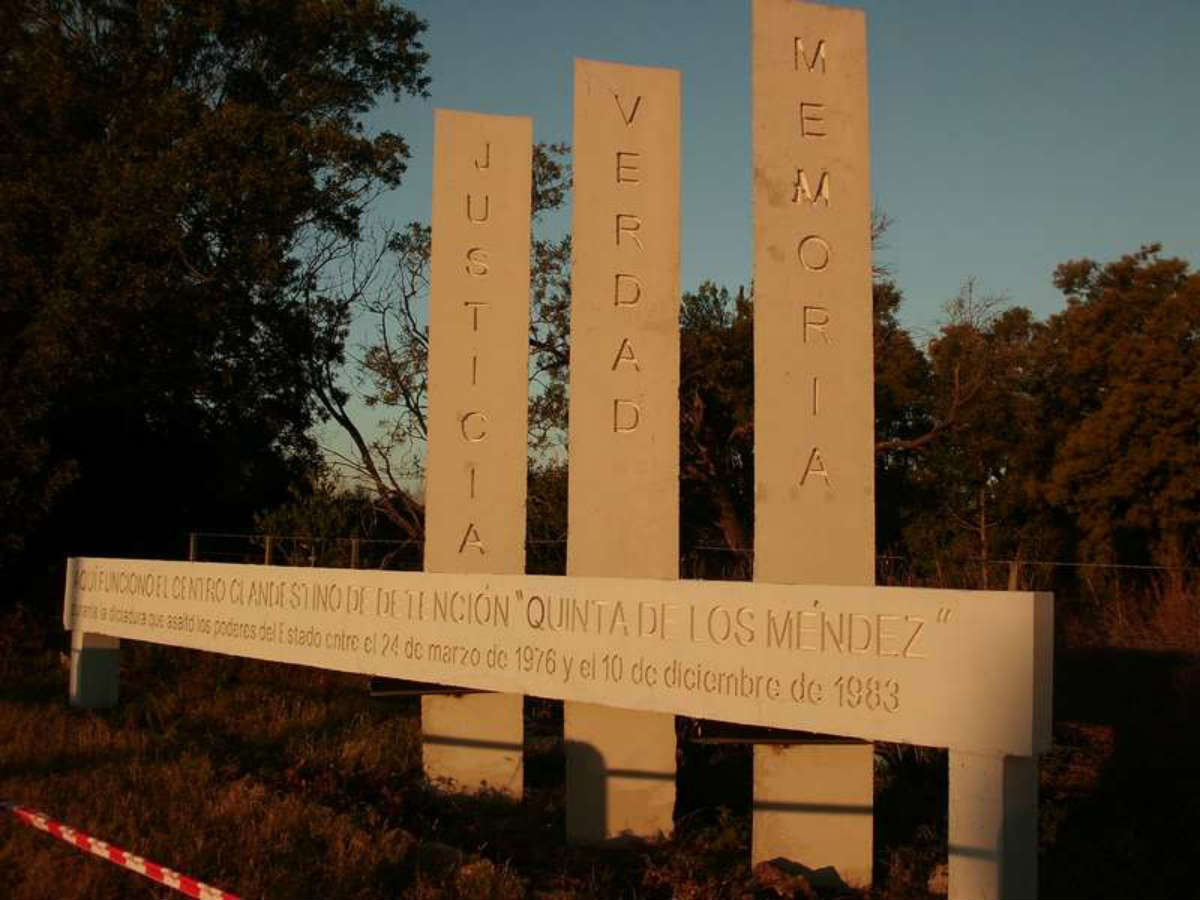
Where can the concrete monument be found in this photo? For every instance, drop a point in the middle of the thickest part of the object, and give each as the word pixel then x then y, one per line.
pixel 624 416
pixel 478 409
pixel 811 646
pixel 814 407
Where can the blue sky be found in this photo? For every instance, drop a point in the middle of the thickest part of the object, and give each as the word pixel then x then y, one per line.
pixel 1005 137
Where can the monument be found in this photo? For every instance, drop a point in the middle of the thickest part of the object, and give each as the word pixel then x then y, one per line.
pixel 810 646
pixel 624 414
pixel 478 411
pixel 814 419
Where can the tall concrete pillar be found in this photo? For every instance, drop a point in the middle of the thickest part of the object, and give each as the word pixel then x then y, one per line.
pixel 624 414
pixel 478 412
pixel 814 409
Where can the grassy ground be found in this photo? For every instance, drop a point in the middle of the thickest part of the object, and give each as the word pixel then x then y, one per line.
pixel 280 781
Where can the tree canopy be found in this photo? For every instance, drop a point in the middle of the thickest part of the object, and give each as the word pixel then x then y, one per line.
pixel 1121 392
pixel 175 180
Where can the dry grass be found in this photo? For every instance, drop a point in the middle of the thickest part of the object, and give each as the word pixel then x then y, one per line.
pixel 279 781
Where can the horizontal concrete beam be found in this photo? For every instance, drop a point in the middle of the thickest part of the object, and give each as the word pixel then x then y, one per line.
pixel 964 669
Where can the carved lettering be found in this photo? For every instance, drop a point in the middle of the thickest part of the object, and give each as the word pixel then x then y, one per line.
pixel 477 262
pixel 856 618
pixel 817 57
pixel 629 224
pixel 811 119
pixel 920 624
pixel 626 298
pixel 627 415
pixel 475 306
pixel 472 539
pixel 472 216
pixel 487 157
pixel 474 370
pixel 816 395
pixel 815 466
pixel 472 426
pixel 882 636
pixel 816 318
pixel 814 252
pixel 803 191
pixel 471 483
pixel 628 119
pixel 627 167
pixel 626 354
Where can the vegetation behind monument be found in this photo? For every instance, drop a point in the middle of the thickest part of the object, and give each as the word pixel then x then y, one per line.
pixel 176 180
pixel 184 255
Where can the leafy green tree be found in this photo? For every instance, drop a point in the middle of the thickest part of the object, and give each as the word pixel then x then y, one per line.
pixel 1121 392
pixel 972 484
pixel 716 420
pixel 903 417
pixel 175 180
pixel 321 518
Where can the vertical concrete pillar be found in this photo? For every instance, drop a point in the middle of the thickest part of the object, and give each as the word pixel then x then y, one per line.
pixel 624 414
pixel 814 408
pixel 993 827
pixel 478 412
pixel 95 670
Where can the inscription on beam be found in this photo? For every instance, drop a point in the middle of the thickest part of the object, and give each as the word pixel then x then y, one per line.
pixel 943 668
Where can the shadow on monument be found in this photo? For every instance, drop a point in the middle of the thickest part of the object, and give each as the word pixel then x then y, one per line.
pixel 588 783
pixel 587 814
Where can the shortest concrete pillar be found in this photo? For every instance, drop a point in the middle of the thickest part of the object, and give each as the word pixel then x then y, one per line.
pixel 620 773
pixel 812 805
pixel 993 827
pixel 474 742
pixel 95 669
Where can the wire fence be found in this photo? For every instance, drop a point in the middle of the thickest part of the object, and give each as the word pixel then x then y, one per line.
pixel 704 561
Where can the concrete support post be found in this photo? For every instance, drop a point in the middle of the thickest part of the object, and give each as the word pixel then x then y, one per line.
pixel 822 820
pixel 95 670
pixel 993 827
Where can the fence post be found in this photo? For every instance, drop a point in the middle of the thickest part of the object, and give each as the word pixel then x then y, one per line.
pixel 354 553
pixel 191 546
pixel 267 550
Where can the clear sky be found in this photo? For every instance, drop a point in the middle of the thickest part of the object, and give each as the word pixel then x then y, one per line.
pixel 1006 137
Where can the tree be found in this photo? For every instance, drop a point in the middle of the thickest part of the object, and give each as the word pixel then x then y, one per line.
pixel 1121 380
pixel 972 479
pixel 175 179
pixel 716 421
pixel 389 285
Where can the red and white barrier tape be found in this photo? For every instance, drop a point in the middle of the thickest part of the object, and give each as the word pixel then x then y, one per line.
pixel 153 871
